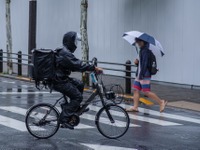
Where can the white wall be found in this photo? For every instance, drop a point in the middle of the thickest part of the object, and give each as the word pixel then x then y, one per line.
pixel 175 23
pixel 2 26
pixel 19 21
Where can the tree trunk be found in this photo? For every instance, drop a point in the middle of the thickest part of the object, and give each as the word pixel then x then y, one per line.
pixel 84 43
pixel 9 38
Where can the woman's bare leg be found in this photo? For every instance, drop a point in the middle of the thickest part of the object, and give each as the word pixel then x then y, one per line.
pixel 154 97
pixel 136 97
pixel 161 102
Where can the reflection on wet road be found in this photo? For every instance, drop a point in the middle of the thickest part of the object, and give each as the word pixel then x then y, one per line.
pixel 175 129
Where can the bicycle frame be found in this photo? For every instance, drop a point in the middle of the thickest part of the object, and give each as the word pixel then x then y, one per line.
pixel 96 91
pixel 99 90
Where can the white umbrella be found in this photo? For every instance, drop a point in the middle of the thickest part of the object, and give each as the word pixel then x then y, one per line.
pixel 154 45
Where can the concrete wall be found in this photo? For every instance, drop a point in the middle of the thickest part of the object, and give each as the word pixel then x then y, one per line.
pixel 19 21
pixel 175 23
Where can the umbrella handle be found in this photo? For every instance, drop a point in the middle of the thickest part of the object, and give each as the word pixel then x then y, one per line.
pixel 136 49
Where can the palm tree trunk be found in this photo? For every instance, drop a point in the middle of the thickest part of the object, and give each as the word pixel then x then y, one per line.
pixel 9 38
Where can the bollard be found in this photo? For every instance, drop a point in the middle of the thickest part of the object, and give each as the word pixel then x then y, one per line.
pixel 128 77
pixel 1 61
pixel 19 63
pixel 32 30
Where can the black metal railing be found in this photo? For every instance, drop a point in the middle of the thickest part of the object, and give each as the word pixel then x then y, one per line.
pixel 20 61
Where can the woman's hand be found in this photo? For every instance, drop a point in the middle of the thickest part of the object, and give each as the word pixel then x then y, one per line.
pixel 136 62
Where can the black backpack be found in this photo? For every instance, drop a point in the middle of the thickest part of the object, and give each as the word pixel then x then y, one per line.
pixel 153 64
pixel 43 70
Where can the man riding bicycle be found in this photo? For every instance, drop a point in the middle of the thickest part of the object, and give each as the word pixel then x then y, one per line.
pixel 66 62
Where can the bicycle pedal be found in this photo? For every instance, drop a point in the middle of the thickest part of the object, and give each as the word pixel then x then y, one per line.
pixel 66 126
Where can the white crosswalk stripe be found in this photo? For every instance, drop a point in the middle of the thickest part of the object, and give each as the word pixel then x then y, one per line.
pixel 23 111
pixel 171 116
pixel 19 125
pixel 104 120
pixel 142 118
pixel 24 93
pixel 165 115
pixel 8 82
pixel 12 123
pixel 103 147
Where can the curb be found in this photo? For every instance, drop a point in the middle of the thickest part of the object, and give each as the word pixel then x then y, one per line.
pixel 16 77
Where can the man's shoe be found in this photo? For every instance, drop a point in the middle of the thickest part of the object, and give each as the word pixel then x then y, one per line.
pixel 86 110
pixel 67 125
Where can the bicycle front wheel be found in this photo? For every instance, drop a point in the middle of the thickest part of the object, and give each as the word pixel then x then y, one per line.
pixel 42 121
pixel 112 121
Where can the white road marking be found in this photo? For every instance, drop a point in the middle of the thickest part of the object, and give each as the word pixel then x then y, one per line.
pixel 21 93
pixel 80 125
pixel 153 121
pixel 83 126
pixel 8 82
pixel 171 116
pixel 24 85
pixel 142 118
pixel 18 125
pixel 103 147
pixel 12 123
pixel 167 115
pixel 103 120
pixel 23 111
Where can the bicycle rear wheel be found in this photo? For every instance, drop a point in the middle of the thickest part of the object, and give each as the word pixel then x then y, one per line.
pixel 42 121
pixel 119 93
pixel 112 121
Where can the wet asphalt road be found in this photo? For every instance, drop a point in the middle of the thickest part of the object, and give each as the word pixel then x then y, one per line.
pixel 175 129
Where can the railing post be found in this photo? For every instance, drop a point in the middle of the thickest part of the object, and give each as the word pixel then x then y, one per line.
pixel 1 61
pixel 19 61
pixel 128 77
pixel 32 29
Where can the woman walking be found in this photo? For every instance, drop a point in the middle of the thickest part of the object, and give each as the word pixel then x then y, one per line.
pixel 143 76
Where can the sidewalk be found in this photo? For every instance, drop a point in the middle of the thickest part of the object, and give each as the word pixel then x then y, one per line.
pixel 180 97
pixel 177 95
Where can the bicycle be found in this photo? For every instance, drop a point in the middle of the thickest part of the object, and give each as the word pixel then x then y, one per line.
pixel 115 93
pixel 42 120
